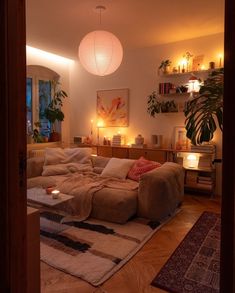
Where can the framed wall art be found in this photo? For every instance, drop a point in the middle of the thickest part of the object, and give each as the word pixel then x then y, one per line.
pixel 112 107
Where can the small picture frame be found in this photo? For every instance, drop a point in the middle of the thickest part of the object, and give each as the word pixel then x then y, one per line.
pixel 180 140
pixel 197 62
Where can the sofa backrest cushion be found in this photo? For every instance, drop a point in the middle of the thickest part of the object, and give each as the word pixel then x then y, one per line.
pixel 54 156
pixel 99 161
pixel 140 167
pixel 117 168
pixel 34 166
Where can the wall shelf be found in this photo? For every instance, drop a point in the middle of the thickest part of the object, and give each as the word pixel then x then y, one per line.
pixel 195 72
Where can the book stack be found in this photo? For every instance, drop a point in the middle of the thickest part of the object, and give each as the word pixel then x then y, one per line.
pixel 205 182
pixel 208 148
pixel 118 140
pixel 164 87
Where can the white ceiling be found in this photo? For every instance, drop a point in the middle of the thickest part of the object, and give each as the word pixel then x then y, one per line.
pixel 58 26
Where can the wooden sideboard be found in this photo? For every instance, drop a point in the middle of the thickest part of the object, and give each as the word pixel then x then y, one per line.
pixel 126 152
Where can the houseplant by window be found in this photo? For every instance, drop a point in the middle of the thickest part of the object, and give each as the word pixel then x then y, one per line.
pixel 205 112
pixel 53 111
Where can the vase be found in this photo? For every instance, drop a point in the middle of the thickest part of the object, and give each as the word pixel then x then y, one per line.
pixel 54 136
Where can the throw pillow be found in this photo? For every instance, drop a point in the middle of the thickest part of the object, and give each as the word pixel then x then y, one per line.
pixel 54 156
pixel 77 155
pixel 99 161
pixel 140 167
pixel 117 168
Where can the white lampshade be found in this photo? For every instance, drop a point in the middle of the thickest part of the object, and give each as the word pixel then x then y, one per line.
pixel 100 52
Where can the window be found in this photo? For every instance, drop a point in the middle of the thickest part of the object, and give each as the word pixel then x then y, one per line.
pixel 38 96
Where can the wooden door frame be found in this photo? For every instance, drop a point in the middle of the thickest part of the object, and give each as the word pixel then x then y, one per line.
pixel 13 147
pixel 13 150
pixel 227 276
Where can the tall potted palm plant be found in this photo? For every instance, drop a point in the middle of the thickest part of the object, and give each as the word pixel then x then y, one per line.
pixel 53 111
pixel 204 113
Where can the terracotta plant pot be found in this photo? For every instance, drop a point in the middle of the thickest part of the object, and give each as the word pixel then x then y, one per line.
pixel 54 136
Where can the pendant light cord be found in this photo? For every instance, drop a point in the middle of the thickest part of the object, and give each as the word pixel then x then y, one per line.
pixel 101 9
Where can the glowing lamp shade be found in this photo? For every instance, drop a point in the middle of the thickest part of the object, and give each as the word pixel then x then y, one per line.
pixel 192 161
pixel 100 53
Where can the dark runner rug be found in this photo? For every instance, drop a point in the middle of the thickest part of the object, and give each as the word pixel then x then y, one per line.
pixel 195 264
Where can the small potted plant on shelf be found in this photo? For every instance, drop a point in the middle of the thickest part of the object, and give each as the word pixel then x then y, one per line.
pixel 53 111
pixel 164 66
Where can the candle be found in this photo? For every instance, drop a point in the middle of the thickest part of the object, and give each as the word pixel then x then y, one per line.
pixel 55 194
pixel 91 127
pixel 220 60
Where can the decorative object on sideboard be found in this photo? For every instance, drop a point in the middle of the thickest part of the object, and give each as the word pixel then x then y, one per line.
pixel 53 111
pixel 100 52
pixel 79 139
pixel 156 140
pixel 139 140
pixel 100 124
pixel 180 141
pixel 205 110
pixel 118 140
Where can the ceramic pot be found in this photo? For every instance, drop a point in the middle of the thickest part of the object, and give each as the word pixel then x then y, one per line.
pixel 54 136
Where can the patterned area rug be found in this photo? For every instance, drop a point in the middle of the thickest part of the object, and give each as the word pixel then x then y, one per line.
pixel 195 264
pixel 92 250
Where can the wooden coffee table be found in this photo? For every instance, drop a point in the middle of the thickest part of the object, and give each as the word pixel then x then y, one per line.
pixel 39 196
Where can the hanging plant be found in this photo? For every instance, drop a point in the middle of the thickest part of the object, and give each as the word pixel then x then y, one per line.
pixel 204 112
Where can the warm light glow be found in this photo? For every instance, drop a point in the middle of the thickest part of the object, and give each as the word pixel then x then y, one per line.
pixel 55 194
pixel 220 56
pixel 100 123
pixel 193 84
pixel 100 52
pixel 47 55
pixel 192 161
pixel 203 67
pixel 183 62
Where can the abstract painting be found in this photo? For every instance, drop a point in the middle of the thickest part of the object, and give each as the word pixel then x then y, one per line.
pixel 112 107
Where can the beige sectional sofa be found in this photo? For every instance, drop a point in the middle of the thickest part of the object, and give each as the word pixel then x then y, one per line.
pixel 157 194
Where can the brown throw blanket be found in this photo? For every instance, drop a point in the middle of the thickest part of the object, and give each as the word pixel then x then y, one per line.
pixel 83 187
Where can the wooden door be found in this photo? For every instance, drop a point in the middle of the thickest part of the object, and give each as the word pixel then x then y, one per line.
pixel 12 147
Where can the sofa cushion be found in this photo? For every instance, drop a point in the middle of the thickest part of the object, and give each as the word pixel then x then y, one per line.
pixel 140 167
pixel 99 161
pixel 54 156
pixel 114 205
pixel 117 168
pixel 77 155
pixel 34 166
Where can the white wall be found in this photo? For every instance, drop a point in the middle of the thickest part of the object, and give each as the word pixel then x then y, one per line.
pixel 139 73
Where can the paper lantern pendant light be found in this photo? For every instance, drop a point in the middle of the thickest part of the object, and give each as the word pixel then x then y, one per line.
pixel 100 52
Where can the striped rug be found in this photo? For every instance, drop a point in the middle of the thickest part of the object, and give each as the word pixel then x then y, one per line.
pixel 92 250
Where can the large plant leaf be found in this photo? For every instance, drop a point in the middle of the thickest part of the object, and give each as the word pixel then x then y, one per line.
pixel 205 110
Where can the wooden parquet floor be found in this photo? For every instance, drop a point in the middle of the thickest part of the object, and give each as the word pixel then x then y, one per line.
pixel 137 274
